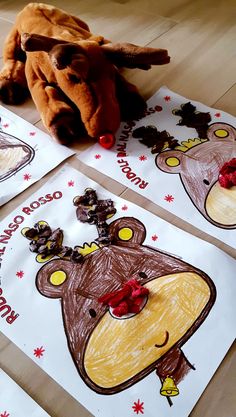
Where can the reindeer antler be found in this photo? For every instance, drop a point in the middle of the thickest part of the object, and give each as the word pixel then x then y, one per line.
pixel 62 53
pixel 133 56
pixel 31 42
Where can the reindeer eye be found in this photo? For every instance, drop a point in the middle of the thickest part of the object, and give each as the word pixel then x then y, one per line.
pixel 74 79
pixel 206 182
pixel 142 274
pixel 92 312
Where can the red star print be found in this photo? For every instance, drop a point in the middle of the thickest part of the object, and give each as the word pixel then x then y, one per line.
pixel 124 207
pixel 6 125
pixel 71 183
pixel 32 133
pixel 169 198
pixel 138 407
pixel 20 274
pixel 142 158
pixel 217 114
pixel 38 352
pixel 154 238
pixel 5 414
pixel 27 177
pixel 97 156
pixel 167 98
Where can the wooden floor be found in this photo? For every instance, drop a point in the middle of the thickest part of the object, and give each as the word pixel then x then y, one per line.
pixel 201 38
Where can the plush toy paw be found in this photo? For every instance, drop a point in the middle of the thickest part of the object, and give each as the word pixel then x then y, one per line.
pixel 11 92
pixel 67 128
pixel 133 106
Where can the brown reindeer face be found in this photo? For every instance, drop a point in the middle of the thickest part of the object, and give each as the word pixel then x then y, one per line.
pixel 86 72
pixel 199 171
pixel 112 353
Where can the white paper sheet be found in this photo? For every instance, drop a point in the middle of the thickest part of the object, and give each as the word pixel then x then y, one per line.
pixel 183 181
pixel 115 386
pixel 14 402
pixel 26 154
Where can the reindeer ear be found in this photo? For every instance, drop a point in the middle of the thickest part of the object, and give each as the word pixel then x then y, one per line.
pixel 133 56
pixel 171 161
pixel 54 278
pixel 127 231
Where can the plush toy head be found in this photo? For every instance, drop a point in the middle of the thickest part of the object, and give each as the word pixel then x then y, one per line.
pixel 86 72
pixel 72 75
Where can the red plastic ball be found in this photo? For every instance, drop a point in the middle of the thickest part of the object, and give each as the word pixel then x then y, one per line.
pixel 107 140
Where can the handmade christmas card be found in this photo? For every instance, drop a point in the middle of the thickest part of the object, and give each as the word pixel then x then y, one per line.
pixel 26 154
pixel 117 305
pixel 181 156
pixel 14 402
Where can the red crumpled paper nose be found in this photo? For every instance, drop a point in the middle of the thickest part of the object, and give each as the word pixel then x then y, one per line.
pixel 128 299
pixel 227 174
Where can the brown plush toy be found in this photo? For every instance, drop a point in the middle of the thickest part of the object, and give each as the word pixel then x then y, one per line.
pixel 72 74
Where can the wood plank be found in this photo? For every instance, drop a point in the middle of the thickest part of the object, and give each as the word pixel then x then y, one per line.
pixel 219 398
pixel 203 64
pixel 5 29
pixel 122 22
pixel 228 101
pixel 180 10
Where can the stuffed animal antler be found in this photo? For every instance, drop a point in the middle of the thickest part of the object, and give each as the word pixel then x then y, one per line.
pixel 72 74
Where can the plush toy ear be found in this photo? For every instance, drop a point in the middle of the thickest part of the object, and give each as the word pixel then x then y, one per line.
pixel 69 55
pixel 133 56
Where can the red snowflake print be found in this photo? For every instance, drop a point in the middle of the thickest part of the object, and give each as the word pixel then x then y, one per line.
pixel 124 207
pixel 138 407
pixel 142 158
pixel 154 238
pixel 38 352
pixel 6 125
pixel 158 108
pixel 20 274
pixel 97 156
pixel 169 198
pixel 217 114
pixel 167 98
pixel 32 133
pixel 71 183
pixel 5 414
pixel 27 177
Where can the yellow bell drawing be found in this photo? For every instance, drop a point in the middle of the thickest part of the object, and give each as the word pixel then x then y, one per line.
pixel 169 388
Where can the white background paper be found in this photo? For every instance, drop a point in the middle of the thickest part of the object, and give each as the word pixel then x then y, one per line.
pixel 160 184
pixel 48 154
pixel 40 321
